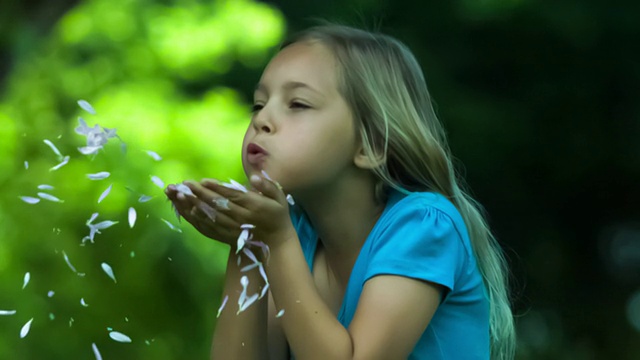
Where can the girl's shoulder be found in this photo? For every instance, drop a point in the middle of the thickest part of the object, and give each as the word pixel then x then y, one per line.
pixel 426 203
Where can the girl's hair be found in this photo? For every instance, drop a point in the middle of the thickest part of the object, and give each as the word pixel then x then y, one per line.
pixel 385 88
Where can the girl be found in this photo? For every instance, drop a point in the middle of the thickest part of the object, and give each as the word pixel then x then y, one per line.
pixel 383 256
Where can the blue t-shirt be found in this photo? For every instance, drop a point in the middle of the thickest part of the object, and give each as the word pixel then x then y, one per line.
pixel 421 236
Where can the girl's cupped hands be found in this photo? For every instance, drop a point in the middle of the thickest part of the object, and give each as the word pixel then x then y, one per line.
pixel 218 210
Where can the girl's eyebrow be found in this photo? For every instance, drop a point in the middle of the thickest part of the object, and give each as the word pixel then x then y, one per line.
pixel 288 86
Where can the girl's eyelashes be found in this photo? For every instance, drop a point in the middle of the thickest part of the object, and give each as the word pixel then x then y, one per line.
pixel 299 105
pixel 256 107
pixel 294 105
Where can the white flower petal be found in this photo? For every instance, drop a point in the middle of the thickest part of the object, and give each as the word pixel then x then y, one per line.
pixel 184 189
pixel 99 176
pixel 249 267
pixel 242 239
pixel 64 162
pixel 86 107
pixel 7 312
pixel 154 155
pixel 29 199
pixel 66 259
pixel 107 269
pixel 26 165
pixel 235 185
pixel 49 197
pixel 248 302
pixel 221 203
pixel 109 133
pixel 144 198
pixel 83 303
pixel 96 352
pixel 171 226
pixel 82 129
pixel 119 337
pixel 264 291
pixel 104 194
pixel 208 210
pixel 54 148
pixel 88 150
pixel 280 313
pixel 250 255
pixel 93 217
pixel 27 277
pixel 224 302
pixel 132 217
pixel 104 224
pixel 156 180
pixel 45 187
pixel 51 293
pixel 264 173
pixel 25 329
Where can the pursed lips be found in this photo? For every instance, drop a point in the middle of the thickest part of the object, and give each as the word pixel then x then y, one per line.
pixel 255 154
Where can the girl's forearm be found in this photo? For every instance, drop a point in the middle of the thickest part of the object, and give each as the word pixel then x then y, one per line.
pixel 312 330
pixel 242 336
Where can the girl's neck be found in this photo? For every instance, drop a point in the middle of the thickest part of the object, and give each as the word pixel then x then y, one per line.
pixel 343 218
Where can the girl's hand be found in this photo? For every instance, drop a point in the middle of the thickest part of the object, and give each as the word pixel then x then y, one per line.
pixel 265 207
pixel 196 212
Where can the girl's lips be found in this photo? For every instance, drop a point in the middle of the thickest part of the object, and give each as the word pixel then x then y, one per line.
pixel 255 149
pixel 255 154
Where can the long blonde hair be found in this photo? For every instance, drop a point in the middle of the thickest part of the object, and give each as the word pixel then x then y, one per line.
pixel 384 85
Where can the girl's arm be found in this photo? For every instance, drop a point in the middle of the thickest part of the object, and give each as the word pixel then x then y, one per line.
pixel 392 313
pixel 242 336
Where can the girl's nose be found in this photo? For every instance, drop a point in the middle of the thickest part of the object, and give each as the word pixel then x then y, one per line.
pixel 262 121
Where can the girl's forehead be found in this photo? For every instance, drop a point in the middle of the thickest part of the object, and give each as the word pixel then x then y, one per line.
pixel 308 63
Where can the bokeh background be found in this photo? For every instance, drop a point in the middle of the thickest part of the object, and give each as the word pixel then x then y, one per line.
pixel 540 100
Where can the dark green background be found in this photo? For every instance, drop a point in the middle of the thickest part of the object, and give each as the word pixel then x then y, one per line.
pixel 539 98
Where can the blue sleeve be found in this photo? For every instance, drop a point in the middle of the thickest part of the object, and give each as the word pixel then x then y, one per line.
pixel 420 242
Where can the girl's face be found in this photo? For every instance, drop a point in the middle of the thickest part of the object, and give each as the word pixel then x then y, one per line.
pixel 302 122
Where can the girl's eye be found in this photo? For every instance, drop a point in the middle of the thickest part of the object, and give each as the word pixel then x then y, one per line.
pixel 256 108
pixel 297 105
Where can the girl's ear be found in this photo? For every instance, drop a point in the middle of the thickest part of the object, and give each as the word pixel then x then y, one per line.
pixel 364 161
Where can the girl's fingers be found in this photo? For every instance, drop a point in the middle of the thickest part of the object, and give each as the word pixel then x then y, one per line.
pixel 268 188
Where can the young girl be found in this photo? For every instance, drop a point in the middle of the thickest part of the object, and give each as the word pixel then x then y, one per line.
pixel 383 256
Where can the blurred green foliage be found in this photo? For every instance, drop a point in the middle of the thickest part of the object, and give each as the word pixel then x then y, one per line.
pixel 539 100
pixel 136 62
